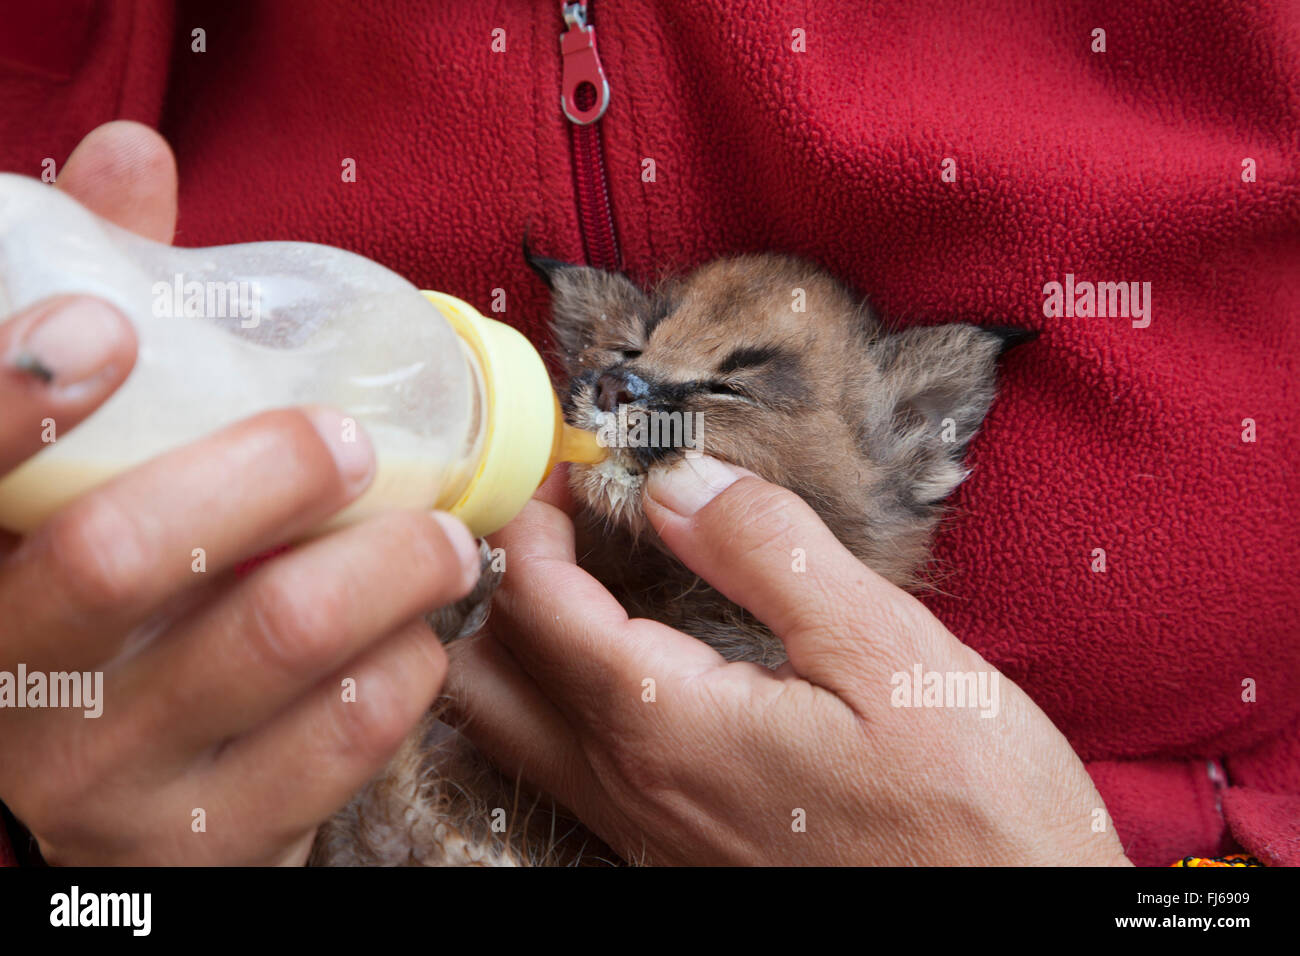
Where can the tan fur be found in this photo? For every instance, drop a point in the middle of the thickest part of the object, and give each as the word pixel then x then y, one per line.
pixel 868 426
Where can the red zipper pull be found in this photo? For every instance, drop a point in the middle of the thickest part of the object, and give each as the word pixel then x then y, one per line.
pixel 581 66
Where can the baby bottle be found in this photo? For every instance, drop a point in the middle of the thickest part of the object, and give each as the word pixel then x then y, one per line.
pixel 458 407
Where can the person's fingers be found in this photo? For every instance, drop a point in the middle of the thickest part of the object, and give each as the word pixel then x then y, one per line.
pixel 126 173
pixel 281 630
pixel 103 562
pixel 59 360
pixel 500 709
pixel 571 635
pixel 542 589
pixel 555 490
pixel 329 743
pixel 765 549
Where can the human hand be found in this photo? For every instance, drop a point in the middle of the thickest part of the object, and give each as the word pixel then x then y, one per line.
pixel 731 763
pixel 219 695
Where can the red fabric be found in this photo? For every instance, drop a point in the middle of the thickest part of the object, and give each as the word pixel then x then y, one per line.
pixel 7 857
pixel 1163 810
pixel 1266 824
pixel 1116 166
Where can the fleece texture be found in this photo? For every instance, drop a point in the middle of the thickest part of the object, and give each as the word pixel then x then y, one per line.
pixel 1119 550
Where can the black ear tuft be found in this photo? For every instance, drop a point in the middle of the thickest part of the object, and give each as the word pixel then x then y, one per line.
pixel 584 298
pixel 1010 336
pixel 545 268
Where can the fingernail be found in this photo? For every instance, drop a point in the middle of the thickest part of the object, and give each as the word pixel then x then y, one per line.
pixel 691 484
pixel 348 443
pixel 72 343
pixel 460 538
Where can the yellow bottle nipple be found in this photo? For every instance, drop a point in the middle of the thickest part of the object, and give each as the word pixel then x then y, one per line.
pixel 576 445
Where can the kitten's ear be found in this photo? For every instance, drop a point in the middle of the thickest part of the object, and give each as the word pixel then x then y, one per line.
pixel 581 296
pixel 938 384
pixel 546 269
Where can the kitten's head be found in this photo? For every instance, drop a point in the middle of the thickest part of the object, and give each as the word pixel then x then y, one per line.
pixel 790 377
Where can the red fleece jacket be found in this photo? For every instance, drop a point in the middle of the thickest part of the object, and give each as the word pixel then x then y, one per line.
pixel 1170 159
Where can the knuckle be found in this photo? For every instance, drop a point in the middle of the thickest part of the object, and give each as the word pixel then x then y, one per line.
pixel 841 607
pixel 763 515
pixel 69 774
pixel 638 758
pixel 299 445
pixel 100 550
pixel 422 539
pixel 896 615
pixel 848 627
pixel 635 769
pixel 837 610
pixel 373 725
pixel 295 622
pixel 424 545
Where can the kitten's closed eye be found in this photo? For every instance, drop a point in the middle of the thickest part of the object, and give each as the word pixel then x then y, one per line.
pixel 731 390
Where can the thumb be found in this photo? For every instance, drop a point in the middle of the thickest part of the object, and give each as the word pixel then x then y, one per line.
pixel 125 172
pixel 766 550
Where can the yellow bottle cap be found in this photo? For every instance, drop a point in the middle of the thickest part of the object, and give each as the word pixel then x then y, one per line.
pixel 525 432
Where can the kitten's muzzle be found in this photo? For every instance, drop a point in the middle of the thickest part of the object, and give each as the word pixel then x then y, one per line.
pixel 618 387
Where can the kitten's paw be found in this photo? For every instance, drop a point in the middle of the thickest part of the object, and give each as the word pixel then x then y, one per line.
pixel 470 613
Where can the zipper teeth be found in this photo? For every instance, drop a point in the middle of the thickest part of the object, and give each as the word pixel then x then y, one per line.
pixel 594 207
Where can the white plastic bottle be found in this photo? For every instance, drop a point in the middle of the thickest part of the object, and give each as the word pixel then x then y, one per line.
pixel 459 407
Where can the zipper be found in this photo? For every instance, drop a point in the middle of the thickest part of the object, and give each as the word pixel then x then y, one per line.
pixel 1218 775
pixel 584 97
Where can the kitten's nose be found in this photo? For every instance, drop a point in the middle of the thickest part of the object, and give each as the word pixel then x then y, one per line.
pixel 619 387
